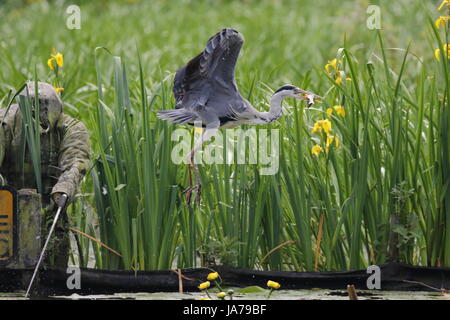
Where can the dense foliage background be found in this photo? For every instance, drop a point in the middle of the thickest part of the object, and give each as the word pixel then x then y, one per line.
pixel 381 195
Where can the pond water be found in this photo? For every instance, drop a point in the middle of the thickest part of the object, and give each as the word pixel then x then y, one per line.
pixel 315 294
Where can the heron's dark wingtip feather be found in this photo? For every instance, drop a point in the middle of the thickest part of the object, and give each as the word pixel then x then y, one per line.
pixel 215 64
pixel 233 35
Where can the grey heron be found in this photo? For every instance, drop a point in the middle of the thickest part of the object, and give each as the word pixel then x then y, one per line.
pixel 206 95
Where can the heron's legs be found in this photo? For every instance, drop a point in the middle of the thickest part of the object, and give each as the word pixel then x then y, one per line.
pixel 206 136
pixel 191 187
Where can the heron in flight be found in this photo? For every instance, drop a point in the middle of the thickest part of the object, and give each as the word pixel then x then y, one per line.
pixel 207 96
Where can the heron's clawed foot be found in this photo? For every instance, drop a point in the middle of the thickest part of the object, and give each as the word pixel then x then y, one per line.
pixel 198 192
pixel 197 187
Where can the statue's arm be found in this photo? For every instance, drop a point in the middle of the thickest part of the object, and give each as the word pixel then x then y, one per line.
pixel 73 159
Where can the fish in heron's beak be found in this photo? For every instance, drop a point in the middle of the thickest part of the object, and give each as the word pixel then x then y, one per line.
pixel 308 96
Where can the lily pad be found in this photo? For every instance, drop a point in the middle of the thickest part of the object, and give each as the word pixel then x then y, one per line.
pixel 251 289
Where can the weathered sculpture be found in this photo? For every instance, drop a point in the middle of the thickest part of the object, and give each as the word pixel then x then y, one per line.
pixel 64 159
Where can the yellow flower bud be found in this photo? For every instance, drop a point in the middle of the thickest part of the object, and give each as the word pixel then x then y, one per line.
pixel 221 295
pixel 213 276
pixel 273 284
pixel 204 285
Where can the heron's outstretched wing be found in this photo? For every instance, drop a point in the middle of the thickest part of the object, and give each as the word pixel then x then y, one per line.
pixel 210 75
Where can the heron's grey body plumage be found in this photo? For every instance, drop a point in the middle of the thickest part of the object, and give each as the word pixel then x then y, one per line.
pixel 206 95
pixel 205 89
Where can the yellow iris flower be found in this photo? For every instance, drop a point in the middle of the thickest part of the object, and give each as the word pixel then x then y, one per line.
pixel 332 63
pixel 339 110
pixel 437 52
pixel 59 59
pixel 330 111
pixel 441 21
pixel 330 140
pixel 315 150
pixel 50 63
pixel 58 90
pixel 326 126
pixel 339 79
pixel 317 127
pixel 320 125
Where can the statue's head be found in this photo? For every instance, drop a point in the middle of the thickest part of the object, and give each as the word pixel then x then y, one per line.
pixel 50 104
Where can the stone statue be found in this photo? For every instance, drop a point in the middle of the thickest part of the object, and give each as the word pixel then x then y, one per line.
pixel 65 154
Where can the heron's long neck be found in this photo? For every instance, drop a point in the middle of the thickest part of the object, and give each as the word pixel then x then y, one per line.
pixel 275 111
